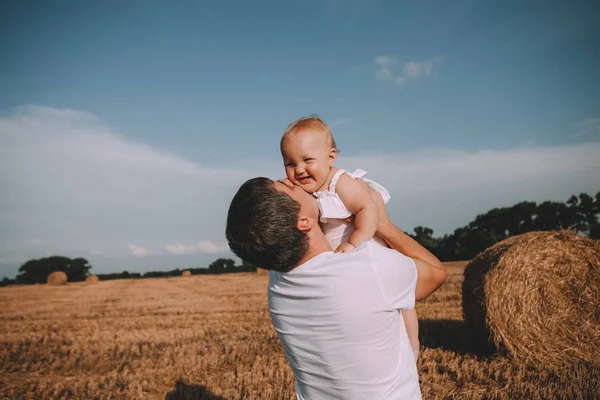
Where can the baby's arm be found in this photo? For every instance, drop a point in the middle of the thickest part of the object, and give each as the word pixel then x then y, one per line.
pixel 412 328
pixel 358 199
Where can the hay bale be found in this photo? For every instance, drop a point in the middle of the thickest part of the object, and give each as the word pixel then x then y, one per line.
pixel 262 271
pixel 186 273
pixel 57 278
pixel 537 297
pixel 92 279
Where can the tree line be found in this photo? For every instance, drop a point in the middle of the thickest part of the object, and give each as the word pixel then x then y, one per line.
pixel 579 213
pixel 37 271
pixel 219 266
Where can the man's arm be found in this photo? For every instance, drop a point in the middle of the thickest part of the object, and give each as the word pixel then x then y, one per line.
pixel 431 274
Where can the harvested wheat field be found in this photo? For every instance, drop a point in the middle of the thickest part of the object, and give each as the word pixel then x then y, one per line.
pixel 209 337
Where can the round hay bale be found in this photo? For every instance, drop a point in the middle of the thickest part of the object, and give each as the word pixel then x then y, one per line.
pixel 537 297
pixel 186 273
pixel 262 271
pixel 92 279
pixel 57 278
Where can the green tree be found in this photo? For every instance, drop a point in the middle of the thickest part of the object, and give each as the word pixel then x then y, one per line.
pixel 221 265
pixel 78 269
pixel 551 215
pixel 247 267
pixel 579 212
pixel 37 271
pixel 595 226
pixel 424 236
pixel 584 210
pixel 521 218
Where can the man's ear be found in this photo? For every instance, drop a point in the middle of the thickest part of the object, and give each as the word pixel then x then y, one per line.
pixel 305 224
pixel 332 156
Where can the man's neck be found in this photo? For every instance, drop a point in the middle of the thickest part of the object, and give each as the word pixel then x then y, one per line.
pixel 317 244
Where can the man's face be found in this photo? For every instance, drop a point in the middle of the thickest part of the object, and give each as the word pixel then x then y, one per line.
pixel 308 204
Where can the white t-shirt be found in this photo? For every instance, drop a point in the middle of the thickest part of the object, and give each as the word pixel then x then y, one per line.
pixel 339 322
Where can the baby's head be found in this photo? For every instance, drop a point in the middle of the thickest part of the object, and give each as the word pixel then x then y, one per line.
pixel 309 153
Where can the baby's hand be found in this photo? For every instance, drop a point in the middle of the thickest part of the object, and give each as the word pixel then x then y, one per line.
pixel 345 248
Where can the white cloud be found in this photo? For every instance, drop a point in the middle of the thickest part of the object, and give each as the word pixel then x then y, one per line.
pixel 140 251
pixel 206 247
pixel 75 185
pixel 445 188
pixel 336 123
pixel 209 247
pixel 69 147
pixel 387 69
pixel 589 128
pixel 384 67
pixel 181 249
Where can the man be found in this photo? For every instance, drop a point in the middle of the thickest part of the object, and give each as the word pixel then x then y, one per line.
pixel 337 315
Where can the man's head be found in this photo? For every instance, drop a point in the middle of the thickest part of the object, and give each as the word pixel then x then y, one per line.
pixel 268 221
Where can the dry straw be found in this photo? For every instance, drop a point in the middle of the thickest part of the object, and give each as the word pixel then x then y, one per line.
pixel 537 296
pixel 57 278
pixel 186 273
pixel 92 279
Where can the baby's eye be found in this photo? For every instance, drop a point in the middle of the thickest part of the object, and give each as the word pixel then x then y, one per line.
pixel 308 159
pixel 290 165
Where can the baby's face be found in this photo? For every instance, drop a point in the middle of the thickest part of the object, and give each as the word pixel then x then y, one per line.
pixel 308 158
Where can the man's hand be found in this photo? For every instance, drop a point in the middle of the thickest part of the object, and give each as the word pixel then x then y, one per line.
pixel 345 248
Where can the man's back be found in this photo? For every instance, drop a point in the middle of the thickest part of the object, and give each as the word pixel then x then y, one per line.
pixel 338 320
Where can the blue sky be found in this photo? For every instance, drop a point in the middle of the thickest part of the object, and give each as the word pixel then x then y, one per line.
pixel 126 127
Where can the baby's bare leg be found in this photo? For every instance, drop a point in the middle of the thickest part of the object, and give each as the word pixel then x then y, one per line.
pixel 412 328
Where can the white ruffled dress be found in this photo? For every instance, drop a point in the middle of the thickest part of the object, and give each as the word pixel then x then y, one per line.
pixel 334 214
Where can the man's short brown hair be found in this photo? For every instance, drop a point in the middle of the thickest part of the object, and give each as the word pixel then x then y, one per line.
pixel 262 227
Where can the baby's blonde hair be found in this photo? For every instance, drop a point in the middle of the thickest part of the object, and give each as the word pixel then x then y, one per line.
pixel 312 122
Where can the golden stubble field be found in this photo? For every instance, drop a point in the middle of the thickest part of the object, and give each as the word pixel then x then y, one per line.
pixel 210 337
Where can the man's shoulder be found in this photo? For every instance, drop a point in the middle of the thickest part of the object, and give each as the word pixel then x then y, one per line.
pixel 372 249
pixel 376 253
pixel 370 252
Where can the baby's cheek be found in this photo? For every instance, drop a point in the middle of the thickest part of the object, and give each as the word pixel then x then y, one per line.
pixel 290 174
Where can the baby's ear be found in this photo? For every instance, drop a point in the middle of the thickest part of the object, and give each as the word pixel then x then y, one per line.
pixel 305 224
pixel 332 156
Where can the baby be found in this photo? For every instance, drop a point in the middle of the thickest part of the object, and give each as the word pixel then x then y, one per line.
pixel 309 153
